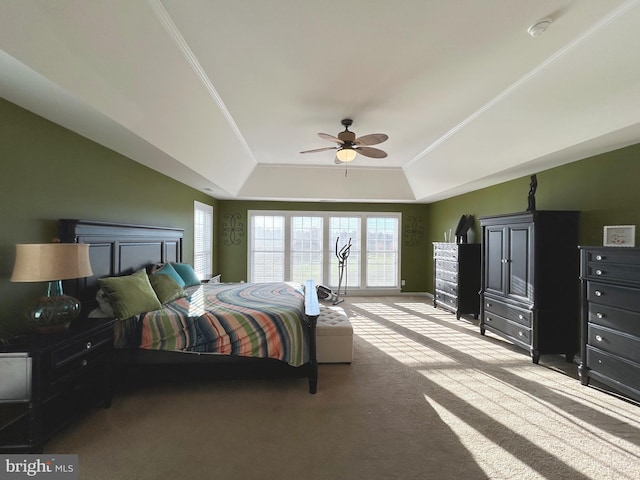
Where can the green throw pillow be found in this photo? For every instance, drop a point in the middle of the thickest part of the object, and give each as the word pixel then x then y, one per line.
pixel 166 288
pixel 167 269
pixel 130 295
pixel 187 273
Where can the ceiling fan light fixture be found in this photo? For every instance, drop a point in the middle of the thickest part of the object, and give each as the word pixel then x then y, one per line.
pixel 346 154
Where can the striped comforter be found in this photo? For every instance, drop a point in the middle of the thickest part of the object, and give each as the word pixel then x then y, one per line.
pixel 248 319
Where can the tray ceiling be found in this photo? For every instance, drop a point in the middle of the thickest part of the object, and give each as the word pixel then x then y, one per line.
pixel 222 95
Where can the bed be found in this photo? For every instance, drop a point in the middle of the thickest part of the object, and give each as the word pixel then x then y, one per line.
pixel 229 330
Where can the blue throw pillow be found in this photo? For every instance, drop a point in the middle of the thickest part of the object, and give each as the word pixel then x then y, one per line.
pixel 187 273
pixel 167 269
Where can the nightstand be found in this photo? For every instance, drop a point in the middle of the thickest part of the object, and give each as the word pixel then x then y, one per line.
pixel 49 379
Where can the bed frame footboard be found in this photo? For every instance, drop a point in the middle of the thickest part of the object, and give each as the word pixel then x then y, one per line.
pixel 312 311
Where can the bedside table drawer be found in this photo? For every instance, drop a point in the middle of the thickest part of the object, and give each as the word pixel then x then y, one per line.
pixel 80 355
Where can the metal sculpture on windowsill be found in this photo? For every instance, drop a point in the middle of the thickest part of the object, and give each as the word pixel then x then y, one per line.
pixel 343 255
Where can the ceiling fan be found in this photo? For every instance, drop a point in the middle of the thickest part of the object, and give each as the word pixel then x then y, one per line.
pixel 349 145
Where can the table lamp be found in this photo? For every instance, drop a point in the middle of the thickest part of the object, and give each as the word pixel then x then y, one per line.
pixel 52 262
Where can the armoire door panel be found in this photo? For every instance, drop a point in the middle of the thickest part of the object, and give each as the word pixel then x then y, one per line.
pixel 519 264
pixel 494 262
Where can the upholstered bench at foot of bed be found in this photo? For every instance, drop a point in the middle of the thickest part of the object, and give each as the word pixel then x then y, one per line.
pixel 334 336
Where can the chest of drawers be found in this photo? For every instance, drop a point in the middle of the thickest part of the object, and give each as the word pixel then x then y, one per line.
pixel 610 313
pixel 456 271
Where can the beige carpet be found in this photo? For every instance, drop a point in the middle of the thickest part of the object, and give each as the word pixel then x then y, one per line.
pixel 427 397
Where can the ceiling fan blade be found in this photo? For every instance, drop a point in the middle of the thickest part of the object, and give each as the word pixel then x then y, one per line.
pixel 371 152
pixel 331 138
pixel 371 139
pixel 323 149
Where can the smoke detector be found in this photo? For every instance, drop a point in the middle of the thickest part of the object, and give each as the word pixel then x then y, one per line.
pixel 539 28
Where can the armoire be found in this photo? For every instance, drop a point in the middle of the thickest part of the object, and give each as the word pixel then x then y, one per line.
pixel 530 289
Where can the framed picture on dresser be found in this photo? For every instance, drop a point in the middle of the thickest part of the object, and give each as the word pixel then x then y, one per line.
pixel 619 236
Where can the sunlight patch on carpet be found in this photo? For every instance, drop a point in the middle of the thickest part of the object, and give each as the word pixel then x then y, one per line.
pixel 491 457
pixel 442 329
pixel 518 419
pixel 395 344
pixel 534 424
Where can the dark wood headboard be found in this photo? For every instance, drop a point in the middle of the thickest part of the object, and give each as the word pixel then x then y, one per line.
pixel 118 249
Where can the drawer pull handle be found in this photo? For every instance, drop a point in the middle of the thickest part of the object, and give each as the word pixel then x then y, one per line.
pixel 599 338
pixel 488 304
pixel 599 257
pixel 489 319
pixel 88 345
pixel 598 293
pixel 520 334
pixel 600 315
pixel 84 362
pixel 520 317
pixel 598 272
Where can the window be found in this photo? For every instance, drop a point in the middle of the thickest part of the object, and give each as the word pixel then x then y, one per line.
pixel 382 252
pixel 266 259
pixel 297 246
pixel 306 249
pixel 342 231
pixel 202 240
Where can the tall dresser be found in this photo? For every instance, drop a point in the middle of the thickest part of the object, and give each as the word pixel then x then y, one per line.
pixel 530 280
pixel 610 279
pixel 456 282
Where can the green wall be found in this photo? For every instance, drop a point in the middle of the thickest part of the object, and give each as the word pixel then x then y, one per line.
pixel 232 219
pixel 48 172
pixel 604 188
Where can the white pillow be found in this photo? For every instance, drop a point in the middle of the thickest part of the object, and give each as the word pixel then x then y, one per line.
pixel 104 304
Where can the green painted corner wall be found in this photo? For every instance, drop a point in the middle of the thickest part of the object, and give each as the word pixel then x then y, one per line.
pixel 48 172
pixel 232 241
pixel 604 188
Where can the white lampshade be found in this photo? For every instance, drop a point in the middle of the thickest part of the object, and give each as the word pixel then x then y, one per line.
pixel 44 262
pixel 346 154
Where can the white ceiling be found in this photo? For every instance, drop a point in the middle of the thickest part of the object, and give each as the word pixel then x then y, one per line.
pixel 223 94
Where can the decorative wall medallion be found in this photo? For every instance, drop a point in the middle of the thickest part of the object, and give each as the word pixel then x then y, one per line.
pixel 413 231
pixel 232 229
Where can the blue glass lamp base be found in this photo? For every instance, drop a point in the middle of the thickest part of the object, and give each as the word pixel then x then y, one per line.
pixel 54 312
